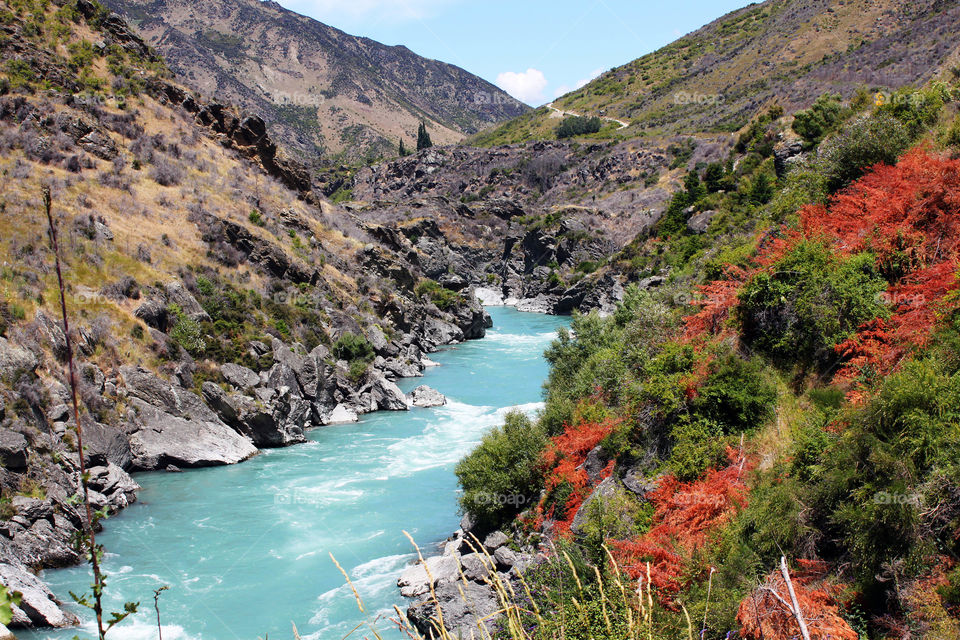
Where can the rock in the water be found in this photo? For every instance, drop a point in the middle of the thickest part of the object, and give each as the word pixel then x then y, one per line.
pixel 424 396
pixel 489 297
pixel 159 438
pixel 416 580
pixel 383 394
pixel 38 606
pixel 341 414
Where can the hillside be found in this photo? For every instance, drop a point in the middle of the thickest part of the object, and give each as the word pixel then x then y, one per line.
pixel 323 91
pixel 765 445
pixel 786 52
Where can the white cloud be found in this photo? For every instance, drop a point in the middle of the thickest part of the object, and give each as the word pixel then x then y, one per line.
pixel 527 86
pixel 565 89
pixel 328 11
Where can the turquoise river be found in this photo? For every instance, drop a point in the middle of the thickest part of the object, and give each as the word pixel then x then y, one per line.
pixel 246 549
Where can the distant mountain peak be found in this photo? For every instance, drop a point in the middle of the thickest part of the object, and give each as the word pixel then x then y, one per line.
pixel 326 92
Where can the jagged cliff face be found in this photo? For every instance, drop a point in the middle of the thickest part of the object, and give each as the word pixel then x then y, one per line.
pixel 780 51
pixel 323 91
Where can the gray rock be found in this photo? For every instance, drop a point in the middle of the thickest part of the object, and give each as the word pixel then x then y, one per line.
pixel 700 222
pixel 438 332
pixel 239 376
pixel 167 397
pixel 416 580
pixel 38 606
pixel 495 540
pixel 159 438
pixel 13 450
pixel 638 481
pixel 383 395
pixel 15 360
pixel 602 491
pixel 218 400
pixel 6 634
pixel 105 444
pixel 177 294
pixel 154 314
pixel 595 463
pixel 424 396
pixel 119 488
pixel 51 332
pixel 462 613
pixel 476 566
pixel 505 557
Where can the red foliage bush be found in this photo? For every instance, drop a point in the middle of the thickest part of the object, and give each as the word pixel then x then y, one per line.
pixel 564 460
pixel 764 616
pixel 908 215
pixel 685 514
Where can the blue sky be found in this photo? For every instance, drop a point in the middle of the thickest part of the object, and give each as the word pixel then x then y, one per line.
pixel 535 49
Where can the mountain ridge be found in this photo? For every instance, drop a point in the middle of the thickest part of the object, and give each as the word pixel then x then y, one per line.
pixel 329 93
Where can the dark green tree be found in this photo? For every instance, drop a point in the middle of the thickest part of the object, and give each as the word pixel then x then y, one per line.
pixel 423 138
pixel 403 149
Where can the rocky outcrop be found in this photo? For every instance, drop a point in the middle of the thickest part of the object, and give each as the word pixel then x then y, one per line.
pixel 470 568
pixel 423 396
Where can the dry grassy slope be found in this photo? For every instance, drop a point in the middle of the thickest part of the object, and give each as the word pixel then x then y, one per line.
pixel 143 213
pixel 324 90
pixel 785 51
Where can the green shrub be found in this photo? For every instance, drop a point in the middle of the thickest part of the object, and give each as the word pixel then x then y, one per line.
pixel 867 141
pixel 186 332
pixel 501 476
pixel 737 396
pixel 697 445
pixel 811 300
pixel 824 116
pixel 439 295
pixel 256 218
pixel 351 347
pixel 578 126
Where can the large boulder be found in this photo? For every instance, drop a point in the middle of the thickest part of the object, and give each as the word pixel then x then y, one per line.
pixel 115 484
pixel 382 394
pixel 424 396
pixel 416 580
pixel 463 612
pixel 104 444
pixel 239 376
pixel 38 606
pixel 159 393
pixel 177 294
pixel 158 439
pixel 13 450
pixel 15 360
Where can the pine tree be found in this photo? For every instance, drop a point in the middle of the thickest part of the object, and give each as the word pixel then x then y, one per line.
pixel 403 149
pixel 423 138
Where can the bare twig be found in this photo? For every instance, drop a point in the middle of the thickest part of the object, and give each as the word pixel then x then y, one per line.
pixel 89 523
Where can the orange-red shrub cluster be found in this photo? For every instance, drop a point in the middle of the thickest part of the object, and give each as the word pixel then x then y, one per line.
pixel 564 460
pixel 908 215
pixel 685 514
pixel 765 616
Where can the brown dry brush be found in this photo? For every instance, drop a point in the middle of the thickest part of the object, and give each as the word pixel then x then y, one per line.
pixel 91 517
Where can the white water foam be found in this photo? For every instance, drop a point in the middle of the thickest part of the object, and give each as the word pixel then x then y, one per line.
pixel 457 429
